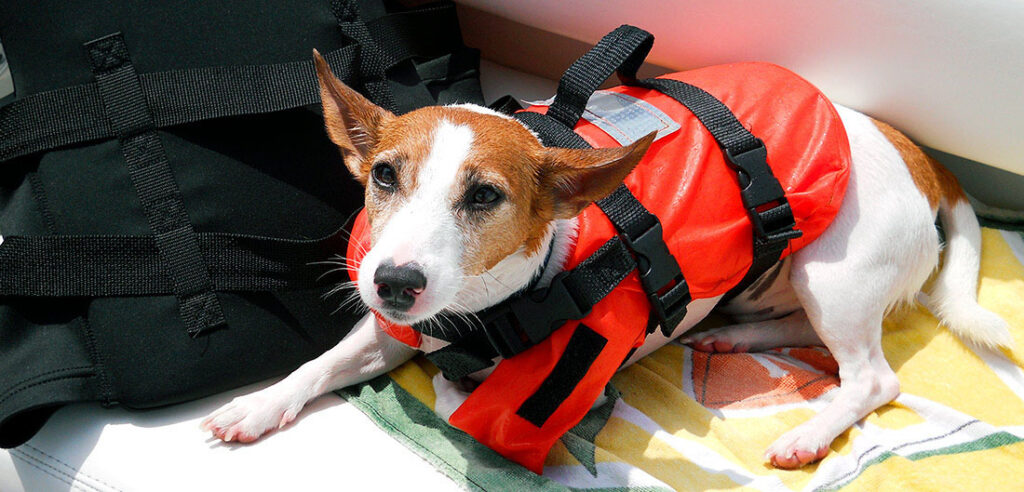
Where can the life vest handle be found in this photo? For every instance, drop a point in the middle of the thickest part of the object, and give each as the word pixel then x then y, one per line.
pixel 622 50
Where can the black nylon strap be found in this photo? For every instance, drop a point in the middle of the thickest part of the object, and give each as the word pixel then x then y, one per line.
pixel 125 106
pixel 53 266
pixel 600 273
pixel 425 32
pixel 76 114
pixel 372 60
pixel 551 132
pixel 622 50
pixel 469 354
pixel 627 213
pixel 767 252
pixel 506 105
pixel 712 113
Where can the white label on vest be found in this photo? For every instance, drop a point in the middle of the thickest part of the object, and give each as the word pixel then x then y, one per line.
pixel 626 118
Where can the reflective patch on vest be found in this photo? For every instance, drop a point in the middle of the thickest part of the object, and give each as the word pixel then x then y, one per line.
pixel 623 117
pixel 626 118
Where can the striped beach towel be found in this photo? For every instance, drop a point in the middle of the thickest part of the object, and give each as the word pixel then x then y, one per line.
pixel 686 420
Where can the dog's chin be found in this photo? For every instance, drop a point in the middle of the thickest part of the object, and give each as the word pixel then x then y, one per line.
pixel 403 317
pixel 397 317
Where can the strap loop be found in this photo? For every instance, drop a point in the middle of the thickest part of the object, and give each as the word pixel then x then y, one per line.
pixel 622 50
pixel 113 266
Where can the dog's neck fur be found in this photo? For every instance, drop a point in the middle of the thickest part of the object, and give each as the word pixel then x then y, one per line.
pixel 518 270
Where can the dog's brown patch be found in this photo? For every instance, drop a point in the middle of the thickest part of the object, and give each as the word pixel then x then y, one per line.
pixel 539 184
pixel 504 154
pixel 935 181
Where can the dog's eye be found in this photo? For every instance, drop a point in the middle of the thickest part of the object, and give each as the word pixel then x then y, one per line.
pixel 384 175
pixel 484 196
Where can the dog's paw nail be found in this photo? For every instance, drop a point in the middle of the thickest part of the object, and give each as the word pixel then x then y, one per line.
pixel 803 457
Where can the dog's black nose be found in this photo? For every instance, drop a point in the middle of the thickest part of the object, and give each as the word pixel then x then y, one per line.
pixel 398 286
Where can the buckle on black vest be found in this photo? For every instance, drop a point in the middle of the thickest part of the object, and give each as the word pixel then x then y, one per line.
pixel 763 196
pixel 532 317
pixel 660 277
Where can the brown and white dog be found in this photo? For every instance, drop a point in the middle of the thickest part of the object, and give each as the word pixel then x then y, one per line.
pixel 464 205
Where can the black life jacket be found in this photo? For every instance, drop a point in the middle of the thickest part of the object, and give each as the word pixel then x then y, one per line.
pixel 166 188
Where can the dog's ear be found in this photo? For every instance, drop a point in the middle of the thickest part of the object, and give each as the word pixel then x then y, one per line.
pixel 578 177
pixel 352 121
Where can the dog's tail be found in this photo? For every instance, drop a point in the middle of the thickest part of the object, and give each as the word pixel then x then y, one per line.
pixel 954 297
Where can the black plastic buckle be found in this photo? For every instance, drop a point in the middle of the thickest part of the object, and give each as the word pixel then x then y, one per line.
pixel 529 319
pixel 658 270
pixel 758 188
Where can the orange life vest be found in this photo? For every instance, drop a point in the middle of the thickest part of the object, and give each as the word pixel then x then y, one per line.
pixel 685 181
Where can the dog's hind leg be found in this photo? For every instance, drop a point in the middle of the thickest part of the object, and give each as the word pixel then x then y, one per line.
pixel 792 330
pixel 875 255
pixel 852 332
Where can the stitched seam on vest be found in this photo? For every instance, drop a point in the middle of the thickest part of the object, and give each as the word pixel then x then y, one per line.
pixel 42 202
pixel 97 360
pixel 24 384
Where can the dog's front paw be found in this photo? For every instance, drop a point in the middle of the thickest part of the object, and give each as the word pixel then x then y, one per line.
pixel 248 417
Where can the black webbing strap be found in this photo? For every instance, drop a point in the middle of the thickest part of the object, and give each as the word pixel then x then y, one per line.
pixel 125 105
pixel 660 275
pixel 53 266
pixel 76 114
pixel 622 50
pixel 523 321
pixel 551 132
pixel 763 196
pixel 506 105
pixel 426 32
pixel 373 62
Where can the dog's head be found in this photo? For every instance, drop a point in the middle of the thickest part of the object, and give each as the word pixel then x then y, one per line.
pixel 453 192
